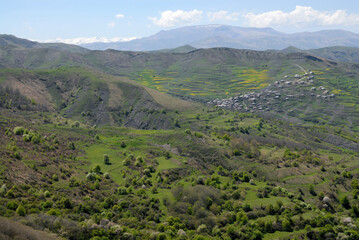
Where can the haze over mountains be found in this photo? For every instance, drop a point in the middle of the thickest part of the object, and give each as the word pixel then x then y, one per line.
pixel 209 36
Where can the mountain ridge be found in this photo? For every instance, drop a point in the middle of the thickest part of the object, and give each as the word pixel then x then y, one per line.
pixel 13 42
pixel 209 36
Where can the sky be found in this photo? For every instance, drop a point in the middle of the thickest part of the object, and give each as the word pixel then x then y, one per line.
pixel 85 21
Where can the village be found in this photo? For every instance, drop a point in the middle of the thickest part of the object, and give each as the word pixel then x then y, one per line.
pixel 291 88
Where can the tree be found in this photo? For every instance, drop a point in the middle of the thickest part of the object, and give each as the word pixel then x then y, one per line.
pixel 311 190
pixel 97 169
pixel 345 202
pixel 268 227
pixel 20 211
pixel 286 226
pixel 245 178
pixel 106 159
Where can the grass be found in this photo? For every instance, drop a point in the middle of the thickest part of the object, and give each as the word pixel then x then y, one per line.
pixel 203 83
pixel 164 163
pixel 138 142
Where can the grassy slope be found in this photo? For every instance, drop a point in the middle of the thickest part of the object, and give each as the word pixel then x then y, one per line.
pixel 190 156
pixel 206 74
pixel 270 151
pixel 93 97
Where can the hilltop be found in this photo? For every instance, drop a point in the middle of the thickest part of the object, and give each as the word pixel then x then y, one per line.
pixel 10 41
pixel 336 53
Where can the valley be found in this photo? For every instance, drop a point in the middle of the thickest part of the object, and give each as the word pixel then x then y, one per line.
pixel 215 143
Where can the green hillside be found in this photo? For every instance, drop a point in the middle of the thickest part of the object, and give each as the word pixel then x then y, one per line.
pixel 210 144
pixel 90 97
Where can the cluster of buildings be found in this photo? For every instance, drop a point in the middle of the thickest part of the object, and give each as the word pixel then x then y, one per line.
pixel 269 98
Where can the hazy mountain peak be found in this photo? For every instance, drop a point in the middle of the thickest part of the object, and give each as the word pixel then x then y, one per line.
pixel 216 35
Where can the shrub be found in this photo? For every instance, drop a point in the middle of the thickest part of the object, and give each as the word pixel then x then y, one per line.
pixel 161 236
pixel 36 139
pixel 53 212
pixel 122 191
pixel 268 227
pixel 17 155
pixel 76 124
pixel 3 190
pixel 26 137
pixel 106 159
pixel 226 137
pixel 19 130
pixel 10 194
pixel 47 194
pixel 140 159
pixel 345 202
pixel 200 180
pixel 154 190
pixel 177 123
pixel 311 190
pixel 245 178
pixel 286 226
pixel 247 207
pixel 97 184
pixel 198 134
pixel 147 172
pixel 66 203
pixel 123 145
pixel 137 163
pixel 236 152
pixel 97 169
pixel 73 182
pixel 202 228
pixel 55 177
pixel 167 155
pixel 236 194
pixel 12 205
pixel 106 175
pixel 126 162
pixel 20 211
pixel 72 146
pixel 91 176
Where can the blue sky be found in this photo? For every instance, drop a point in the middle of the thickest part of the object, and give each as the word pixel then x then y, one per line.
pixel 109 20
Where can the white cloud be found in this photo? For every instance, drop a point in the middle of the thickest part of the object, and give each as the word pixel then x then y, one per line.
pixel 111 24
pixel 301 16
pixel 222 15
pixel 120 15
pixel 84 40
pixel 172 18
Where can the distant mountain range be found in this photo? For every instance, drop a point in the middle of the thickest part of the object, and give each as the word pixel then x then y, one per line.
pixel 209 36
